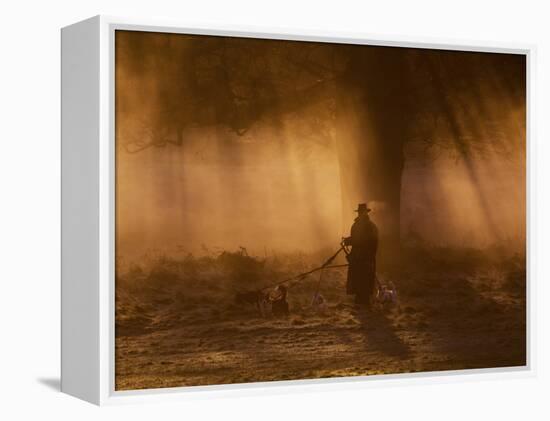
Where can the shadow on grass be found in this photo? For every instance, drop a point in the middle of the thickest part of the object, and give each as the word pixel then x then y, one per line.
pixel 380 334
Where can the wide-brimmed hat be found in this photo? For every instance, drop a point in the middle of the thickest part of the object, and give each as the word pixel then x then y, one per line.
pixel 362 207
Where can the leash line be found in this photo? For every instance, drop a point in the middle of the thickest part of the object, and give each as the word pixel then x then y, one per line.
pixel 299 277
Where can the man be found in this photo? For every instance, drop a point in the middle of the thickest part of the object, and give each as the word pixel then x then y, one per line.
pixel 362 258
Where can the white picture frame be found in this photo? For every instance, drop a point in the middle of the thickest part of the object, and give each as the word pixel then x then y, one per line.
pixel 87 323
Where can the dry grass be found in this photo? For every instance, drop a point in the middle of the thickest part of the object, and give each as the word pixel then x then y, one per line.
pixel 177 324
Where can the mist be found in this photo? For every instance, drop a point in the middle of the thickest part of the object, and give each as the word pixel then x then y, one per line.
pixel 225 143
pixel 266 195
pixel 271 196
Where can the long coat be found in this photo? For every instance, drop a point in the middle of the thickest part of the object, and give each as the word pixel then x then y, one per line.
pixel 362 258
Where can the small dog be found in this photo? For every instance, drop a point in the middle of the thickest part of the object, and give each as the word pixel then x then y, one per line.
pixel 318 303
pixel 267 303
pixel 279 304
pixel 386 294
pixel 259 299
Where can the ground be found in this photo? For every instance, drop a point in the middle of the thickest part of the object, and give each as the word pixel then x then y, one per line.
pixel 169 334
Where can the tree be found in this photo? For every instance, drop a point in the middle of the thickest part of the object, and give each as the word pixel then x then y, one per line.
pixel 374 100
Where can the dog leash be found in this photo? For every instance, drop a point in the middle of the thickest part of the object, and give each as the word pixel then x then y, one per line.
pixel 301 276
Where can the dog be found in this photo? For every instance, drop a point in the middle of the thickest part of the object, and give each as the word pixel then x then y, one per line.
pixel 268 303
pixel 319 303
pixel 386 295
pixel 259 299
pixel 279 304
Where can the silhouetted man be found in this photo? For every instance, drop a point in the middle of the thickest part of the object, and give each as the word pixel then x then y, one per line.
pixel 362 258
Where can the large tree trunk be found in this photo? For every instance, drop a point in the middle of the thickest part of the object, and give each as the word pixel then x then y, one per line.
pixel 371 128
pixel 370 172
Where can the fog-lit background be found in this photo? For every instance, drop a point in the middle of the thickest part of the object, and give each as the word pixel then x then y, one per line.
pixel 269 145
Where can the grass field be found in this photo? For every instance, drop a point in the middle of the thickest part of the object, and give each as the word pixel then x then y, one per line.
pixel 177 323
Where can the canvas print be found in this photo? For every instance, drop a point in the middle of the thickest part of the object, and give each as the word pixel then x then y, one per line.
pixel 304 210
